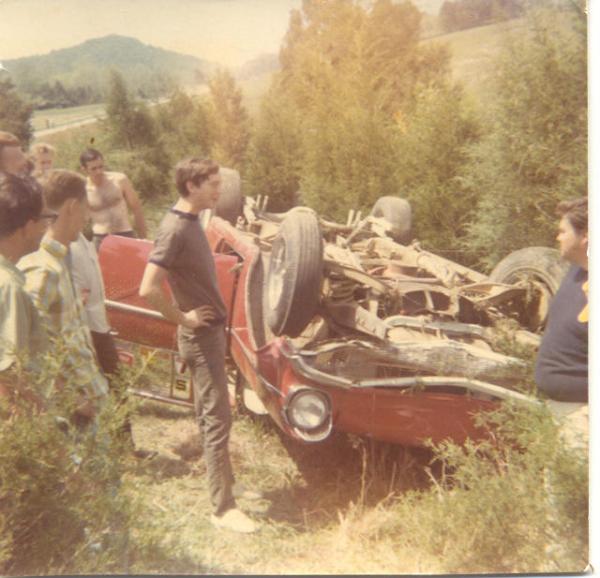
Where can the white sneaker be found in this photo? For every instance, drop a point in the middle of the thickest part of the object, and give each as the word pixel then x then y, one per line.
pixel 241 491
pixel 235 520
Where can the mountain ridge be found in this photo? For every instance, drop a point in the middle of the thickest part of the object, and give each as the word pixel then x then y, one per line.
pixel 150 69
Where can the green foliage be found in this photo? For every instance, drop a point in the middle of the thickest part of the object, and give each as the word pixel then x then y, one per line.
pixel 229 121
pixel 64 509
pixel 132 127
pixel 148 168
pixel 514 502
pixel 534 153
pixel 56 95
pixel 15 114
pixel 274 155
pixel 128 121
pixel 432 156
pixel 184 126
pixel 350 163
pixel 71 143
pixel 353 80
pixel 79 75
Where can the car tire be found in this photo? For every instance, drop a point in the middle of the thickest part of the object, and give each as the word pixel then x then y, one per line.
pixel 540 266
pixel 295 273
pixel 231 201
pixel 398 213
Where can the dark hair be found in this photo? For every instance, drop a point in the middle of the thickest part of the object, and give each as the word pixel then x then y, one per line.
pixel 576 212
pixel 20 202
pixel 62 185
pixel 89 155
pixel 8 139
pixel 195 170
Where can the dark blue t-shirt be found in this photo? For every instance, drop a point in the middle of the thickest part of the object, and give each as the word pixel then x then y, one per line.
pixel 182 249
pixel 561 370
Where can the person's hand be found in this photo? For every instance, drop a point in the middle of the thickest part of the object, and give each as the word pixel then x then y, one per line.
pixel 199 317
pixel 85 295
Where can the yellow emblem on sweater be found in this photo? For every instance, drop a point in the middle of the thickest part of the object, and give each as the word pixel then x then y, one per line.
pixel 584 316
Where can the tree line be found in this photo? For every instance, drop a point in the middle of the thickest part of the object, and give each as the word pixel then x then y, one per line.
pixel 461 14
pixel 361 108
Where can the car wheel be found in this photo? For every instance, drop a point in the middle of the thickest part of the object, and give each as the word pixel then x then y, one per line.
pixel 542 270
pixel 231 201
pixel 295 272
pixel 398 213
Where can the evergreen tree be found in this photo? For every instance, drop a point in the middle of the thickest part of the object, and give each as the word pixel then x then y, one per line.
pixel 119 111
pixel 350 72
pixel 275 154
pixel 535 153
pixel 229 120
pixel 15 114
pixel 433 156
pixel 184 125
pixel 131 126
pixel 129 122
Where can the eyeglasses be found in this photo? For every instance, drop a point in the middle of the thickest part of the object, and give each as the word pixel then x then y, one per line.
pixel 48 216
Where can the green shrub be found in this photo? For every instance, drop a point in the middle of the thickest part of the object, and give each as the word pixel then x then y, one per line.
pixel 148 168
pixel 515 502
pixel 64 505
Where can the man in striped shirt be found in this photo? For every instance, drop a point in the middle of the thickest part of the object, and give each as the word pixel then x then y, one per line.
pixel 49 283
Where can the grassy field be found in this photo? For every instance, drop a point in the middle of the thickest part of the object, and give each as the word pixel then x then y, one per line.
pixel 473 50
pixel 322 510
pixel 56 117
pixel 347 506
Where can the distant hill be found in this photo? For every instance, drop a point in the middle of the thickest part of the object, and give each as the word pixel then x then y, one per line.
pixel 259 66
pixel 473 52
pixel 81 72
pixel 429 6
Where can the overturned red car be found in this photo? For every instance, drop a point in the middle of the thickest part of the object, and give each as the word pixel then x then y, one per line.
pixel 344 327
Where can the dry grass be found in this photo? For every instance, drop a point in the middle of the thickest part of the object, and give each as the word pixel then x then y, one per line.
pixel 474 50
pixel 347 506
pixel 320 513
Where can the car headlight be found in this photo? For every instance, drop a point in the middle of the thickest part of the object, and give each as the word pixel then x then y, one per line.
pixel 308 409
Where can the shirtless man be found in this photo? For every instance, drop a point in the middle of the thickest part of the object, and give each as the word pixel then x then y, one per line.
pixel 110 196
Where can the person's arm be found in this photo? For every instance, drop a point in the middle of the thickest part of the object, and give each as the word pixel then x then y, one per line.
pixel 135 206
pixel 153 289
pixel 42 286
pixel 81 269
pixel 15 338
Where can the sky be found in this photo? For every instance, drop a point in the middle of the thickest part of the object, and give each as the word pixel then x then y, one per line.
pixel 229 32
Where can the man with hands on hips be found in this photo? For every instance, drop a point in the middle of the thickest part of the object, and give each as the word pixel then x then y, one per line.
pixel 182 255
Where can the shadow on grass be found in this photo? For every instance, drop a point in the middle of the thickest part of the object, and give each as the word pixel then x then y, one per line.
pixel 343 471
pixel 160 410
pixel 161 467
pixel 190 449
pixel 158 560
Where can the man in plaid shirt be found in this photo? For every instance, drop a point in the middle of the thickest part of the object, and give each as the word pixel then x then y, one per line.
pixel 49 283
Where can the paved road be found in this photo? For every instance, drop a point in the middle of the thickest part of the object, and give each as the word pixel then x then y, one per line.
pixel 66 126
pixel 83 121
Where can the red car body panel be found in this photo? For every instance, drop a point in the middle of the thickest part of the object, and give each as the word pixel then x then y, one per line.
pixel 399 415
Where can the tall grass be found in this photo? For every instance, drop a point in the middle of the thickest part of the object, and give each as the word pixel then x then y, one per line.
pixel 516 502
